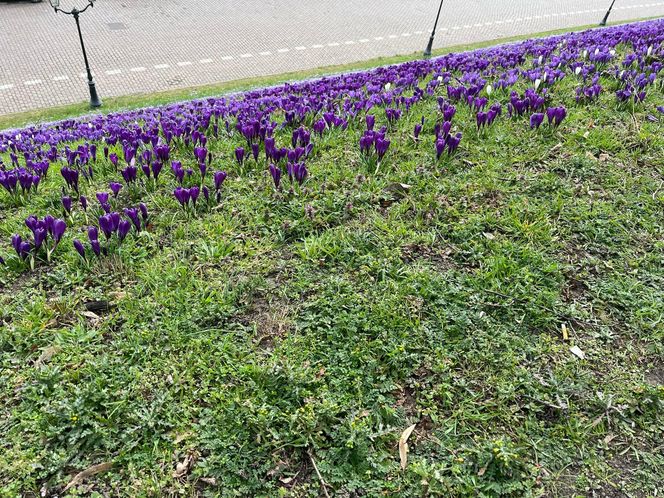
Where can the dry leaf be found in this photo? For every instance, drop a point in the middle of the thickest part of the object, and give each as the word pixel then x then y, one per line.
pixel 489 235
pixel 90 314
pixel 403 446
pixel 576 351
pixel 209 480
pixel 89 472
pixel 183 467
pixel 481 472
pixel 46 355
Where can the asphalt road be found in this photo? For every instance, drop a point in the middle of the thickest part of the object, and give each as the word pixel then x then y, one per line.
pixel 139 46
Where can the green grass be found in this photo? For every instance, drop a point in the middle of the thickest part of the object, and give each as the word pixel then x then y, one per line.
pixel 112 104
pixel 283 329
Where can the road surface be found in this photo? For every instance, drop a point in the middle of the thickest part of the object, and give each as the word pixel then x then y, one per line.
pixel 142 46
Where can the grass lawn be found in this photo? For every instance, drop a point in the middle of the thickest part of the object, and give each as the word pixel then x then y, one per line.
pixel 506 300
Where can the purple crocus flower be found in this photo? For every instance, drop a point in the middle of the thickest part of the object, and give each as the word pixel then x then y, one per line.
pixel 440 147
pixel 123 229
pixel 276 175
pixel 182 195
pixel 93 233
pixel 58 230
pixel 129 173
pixel 194 192
pixel 144 211
pixel 417 131
pixel 106 225
pixel 536 120
pixel 78 245
pixel 206 193
pixel 219 177
pixel 39 237
pixel 239 155
pixel 102 197
pixel 382 144
pixel 96 247
pixel 115 188
pixel 84 202
pixel 113 157
pixel 371 121
pixel 132 214
pixel 66 203
pixel 156 169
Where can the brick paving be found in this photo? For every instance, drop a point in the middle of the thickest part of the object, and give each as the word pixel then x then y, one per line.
pixel 154 45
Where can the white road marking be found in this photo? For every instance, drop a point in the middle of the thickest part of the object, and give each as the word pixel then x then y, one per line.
pixel 6 87
pixel 184 63
pixel 378 38
pixel 113 71
pixel 206 61
pixel 405 34
pixel 419 32
pixel 60 78
pixel 32 82
pixel 393 37
pixel 363 40
pixel 161 66
pixel 138 69
pixel 300 48
pixel 283 50
pixel 317 46
pixel 333 44
pixel 227 58
pixel 266 53
pixel 349 42
pixel 246 56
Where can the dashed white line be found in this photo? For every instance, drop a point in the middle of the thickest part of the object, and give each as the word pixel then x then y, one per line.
pixel 266 53
pixel 363 40
pixel 349 42
pixel 393 37
pixel 317 45
pixel 138 69
pixel 333 44
pixel 405 34
pixel 161 66
pixel 6 87
pixel 113 71
pixel 227 58
pixel 300 48
pixel 206 61
pixel 60 78
pixel 283 50
pixel 378 38
pixel 419 32
pixel 32 82
pixel 184 63
pixel 246 56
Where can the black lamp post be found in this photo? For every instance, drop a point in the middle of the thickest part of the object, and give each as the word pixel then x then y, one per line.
pixel 94 98
pixel 608 13
pixel 427 51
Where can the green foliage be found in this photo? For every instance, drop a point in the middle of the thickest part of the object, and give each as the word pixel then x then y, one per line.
pixel 285 329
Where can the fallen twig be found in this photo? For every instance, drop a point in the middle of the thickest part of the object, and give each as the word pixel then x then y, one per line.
pixel 320 477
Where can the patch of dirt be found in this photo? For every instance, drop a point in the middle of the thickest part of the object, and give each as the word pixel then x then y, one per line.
pixel 270 320
pixel 438 257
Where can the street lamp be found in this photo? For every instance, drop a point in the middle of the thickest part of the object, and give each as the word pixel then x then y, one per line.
pixel 94 98
pixel 608 13
pixel 427 51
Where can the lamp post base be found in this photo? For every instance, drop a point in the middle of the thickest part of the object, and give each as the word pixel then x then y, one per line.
pixel 427 51
pixel 95 101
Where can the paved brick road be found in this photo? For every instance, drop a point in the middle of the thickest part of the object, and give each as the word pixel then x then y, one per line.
pixel 138 46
